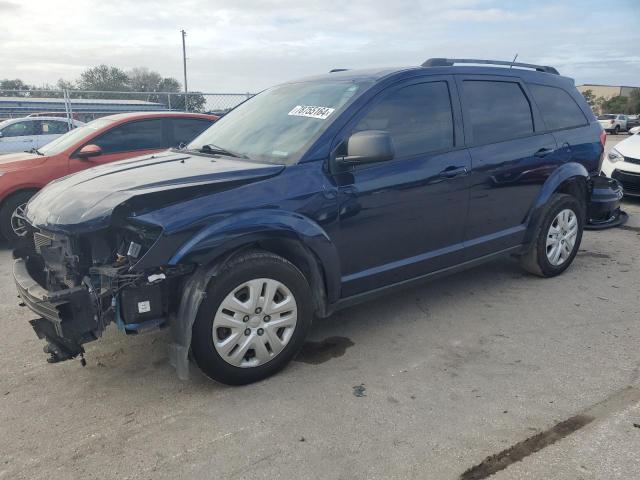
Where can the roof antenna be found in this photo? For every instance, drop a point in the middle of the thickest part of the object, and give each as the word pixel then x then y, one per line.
pixel 513 61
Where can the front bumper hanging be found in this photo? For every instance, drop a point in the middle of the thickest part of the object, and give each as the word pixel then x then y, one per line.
pixel 69 317
pixel 603 210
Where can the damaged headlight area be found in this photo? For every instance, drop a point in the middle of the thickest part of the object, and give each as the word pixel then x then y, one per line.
pixel 78 285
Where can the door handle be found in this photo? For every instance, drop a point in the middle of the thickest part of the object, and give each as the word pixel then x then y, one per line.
pixel 452 172
pixel 543 152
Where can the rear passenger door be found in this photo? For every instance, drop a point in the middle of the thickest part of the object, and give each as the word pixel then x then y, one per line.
pixel 511 156
pixel 577 140
pixel 405 217
pixel 49 130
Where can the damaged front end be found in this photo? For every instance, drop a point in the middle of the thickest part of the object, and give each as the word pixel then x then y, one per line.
pixel 78 285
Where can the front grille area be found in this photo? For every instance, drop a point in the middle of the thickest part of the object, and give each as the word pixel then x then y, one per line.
pixel 630 181
pixel 40 240
pixel 632 160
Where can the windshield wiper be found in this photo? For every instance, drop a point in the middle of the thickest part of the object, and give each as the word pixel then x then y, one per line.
pixel 211 148
pixel 35 150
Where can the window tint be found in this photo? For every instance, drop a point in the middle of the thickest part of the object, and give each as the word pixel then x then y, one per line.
pixel 418 117
pixel 19 129
pixel 52 127
pixel 186 129
pixel 558 109
pixel 140 135
pixel 497 111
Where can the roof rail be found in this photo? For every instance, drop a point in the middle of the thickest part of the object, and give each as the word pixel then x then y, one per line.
pixel 448 62
pixel 334 70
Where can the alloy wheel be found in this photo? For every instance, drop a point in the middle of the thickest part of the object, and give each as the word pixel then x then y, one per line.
pixel 561 237
pixel 19 221
pixel 254 322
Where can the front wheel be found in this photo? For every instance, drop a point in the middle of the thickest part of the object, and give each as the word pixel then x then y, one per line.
pixel 616 130
pixel 13 223
pixel 557 237
pixel 254 319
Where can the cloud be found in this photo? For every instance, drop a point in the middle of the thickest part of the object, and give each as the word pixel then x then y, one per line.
pixel 251 44
pixel 6 6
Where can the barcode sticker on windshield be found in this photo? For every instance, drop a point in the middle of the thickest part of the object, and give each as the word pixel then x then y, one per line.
pixel 312 112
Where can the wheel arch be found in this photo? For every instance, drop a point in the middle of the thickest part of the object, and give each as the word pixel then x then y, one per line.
pixel 571 179
pixel 297 239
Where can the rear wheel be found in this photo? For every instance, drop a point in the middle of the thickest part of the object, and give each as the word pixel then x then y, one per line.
pixel 557 237
pixel 254 319
pixel 13 223
pixel 616 130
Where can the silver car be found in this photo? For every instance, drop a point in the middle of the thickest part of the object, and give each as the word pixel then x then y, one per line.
pixel 24 134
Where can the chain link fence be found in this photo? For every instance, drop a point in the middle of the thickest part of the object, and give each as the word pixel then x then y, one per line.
pixel 85 105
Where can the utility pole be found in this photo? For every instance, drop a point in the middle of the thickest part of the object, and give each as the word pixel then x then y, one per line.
pixel 184 64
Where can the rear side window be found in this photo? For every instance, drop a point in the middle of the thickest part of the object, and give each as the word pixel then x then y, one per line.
pixel 53 127
pixel 186 129
pixel 140 135
pixel 497 111
pixel 418 117
pixel 558 109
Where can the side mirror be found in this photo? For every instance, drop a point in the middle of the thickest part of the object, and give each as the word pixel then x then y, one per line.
pixel 90 151
pixel 369 146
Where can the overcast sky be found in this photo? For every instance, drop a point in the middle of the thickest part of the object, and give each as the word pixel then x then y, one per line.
pixel 247 45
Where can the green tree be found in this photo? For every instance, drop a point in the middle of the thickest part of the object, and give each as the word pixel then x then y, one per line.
pixel 104 78
pixel 616 104
pixel 141 79
pixel 15 84
pixel 590 98
pixel 633 105
pixel 196 102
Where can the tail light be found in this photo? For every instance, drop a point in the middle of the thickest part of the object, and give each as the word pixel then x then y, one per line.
pixel 603 140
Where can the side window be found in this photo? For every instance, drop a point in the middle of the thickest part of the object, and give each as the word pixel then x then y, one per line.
pixel 52 127
pixel 186 129
pixel 140 135
pixel 418 117
pixel 19 129
pixel 558 109
pixel 497 111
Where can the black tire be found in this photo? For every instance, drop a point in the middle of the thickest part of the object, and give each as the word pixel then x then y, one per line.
pixel 6 212
pixel 535 259
pixel 616 131
pixel 240 269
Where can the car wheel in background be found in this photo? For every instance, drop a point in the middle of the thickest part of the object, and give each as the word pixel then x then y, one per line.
pixel 253 320
pixel 12 222
pixel 616 130
pixel 557 237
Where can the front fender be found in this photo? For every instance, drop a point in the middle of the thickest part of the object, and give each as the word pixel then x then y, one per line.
pixel 219 238
pixel 566 173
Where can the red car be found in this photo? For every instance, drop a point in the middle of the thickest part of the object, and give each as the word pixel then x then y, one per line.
pixel 107 139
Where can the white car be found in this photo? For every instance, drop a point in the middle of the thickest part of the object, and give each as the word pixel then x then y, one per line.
pixel 623 163
pixel 613 122
pixel 24 134
pixel 634 130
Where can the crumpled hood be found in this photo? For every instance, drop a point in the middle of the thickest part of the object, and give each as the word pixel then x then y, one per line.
pixel 84 201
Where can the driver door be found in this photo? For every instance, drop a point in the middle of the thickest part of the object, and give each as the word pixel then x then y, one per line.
pixel 18 137
pixel 405 217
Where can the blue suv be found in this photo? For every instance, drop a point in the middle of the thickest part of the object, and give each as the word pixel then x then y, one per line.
pixel 309 197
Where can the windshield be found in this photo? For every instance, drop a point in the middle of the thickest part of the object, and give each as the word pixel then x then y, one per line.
pixel 276 125
pixel 606 117
pixel 72 137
